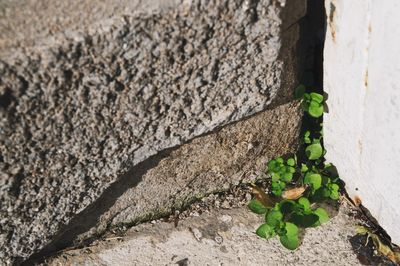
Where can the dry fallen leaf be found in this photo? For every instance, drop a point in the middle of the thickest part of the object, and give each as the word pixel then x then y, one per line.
pixel 293 193
pixel 262 197
pixel 380 247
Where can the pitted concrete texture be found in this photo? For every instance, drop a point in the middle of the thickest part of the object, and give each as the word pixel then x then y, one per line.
pixel 173 180
pixel 80 108
pixel 221 237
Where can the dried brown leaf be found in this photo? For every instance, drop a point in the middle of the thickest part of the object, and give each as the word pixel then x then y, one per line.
pixel 293 193
pixel 262 197
pixel 382 249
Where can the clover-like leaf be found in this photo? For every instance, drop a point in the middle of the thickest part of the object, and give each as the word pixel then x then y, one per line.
pixel 282 169
pixel 314 180
pixel 316 97
pixel 277 187
pixel 257 207
pixel 291 239
pixel 323 216
pixel 274 217
pixel 272 166
pixel 287 177
pixel 305 203
pixel 291 162
pixel 314 151
pixel 275 177
pixel 334 191
pixel 291 169
pixel 334 195
pixel 304 168
pixel 315 109
pixel 265 231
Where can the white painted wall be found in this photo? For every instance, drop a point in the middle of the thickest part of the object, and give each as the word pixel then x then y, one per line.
pixel 362 78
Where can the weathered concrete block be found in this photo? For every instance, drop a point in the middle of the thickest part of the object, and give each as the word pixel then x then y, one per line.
pixel 174 178
pixel 89 105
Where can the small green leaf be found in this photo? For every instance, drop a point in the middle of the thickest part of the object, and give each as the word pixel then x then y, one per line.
pixel 265 231
pixel 315 110
pixel 280 228
pixel 275 177
pixel 277 187
pixel 291 239
pixel 334 195
pixel 304 220
pixel 291 229
pixel 326 193
pixel 323 216
pixel 305 203
pixel 314 180
pixel 314 151
pixel 299 91
pixel 304 168
pixel 291 162
pixel 273 218
pixel 316 97
pixel 271 166
pixel 334 187
pixel 291 169
pixel 286 206
pixel 282 169
pixel 279 160
pixel 287 177
pixel 333 191
pixel 257 207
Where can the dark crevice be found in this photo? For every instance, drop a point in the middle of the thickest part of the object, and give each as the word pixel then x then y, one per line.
pixel 313 31
pixel 16 184
pixel 6 99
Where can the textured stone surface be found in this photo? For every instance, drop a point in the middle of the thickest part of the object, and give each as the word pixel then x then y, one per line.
pixel 208 164
pixel 223 237
pixel 26 23
pixel 84 105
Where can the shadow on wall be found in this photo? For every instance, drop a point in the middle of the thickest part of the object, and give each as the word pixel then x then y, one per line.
pixel 89 217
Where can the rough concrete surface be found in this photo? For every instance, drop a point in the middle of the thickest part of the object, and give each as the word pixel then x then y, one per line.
pixel 82 105
pixel 171 181
pixel 221 237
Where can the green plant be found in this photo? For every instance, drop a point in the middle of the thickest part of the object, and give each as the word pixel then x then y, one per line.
pixel 281 172
pixel 298 185
pixel 312 103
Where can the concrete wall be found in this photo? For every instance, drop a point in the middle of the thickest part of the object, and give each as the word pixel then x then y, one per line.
pixel 111 111
pixel 362 78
